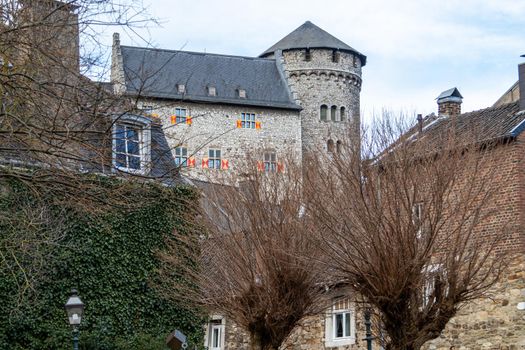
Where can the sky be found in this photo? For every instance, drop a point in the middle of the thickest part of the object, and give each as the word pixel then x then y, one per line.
pixel 415 48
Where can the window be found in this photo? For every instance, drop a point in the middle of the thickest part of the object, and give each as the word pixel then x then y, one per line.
pixel 336 55
pixel 342 115
pixel 333 113
pixel 180 115
pixel 214 160
pixel 147 110
pixel 417 218
pixel 324 113
pixel 248 120
pixel 339 146
pixel 433 283
pixel 270 162
pixel 181 88
pixel 128 144
pixel 307 55
pixel 242 93
pixel 214 335
pixel 181 156
pixel 131 143
pixel 340 324
pixel 212 91
pixel 330 146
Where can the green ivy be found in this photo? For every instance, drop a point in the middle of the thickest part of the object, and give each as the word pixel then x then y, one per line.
pixel 109 256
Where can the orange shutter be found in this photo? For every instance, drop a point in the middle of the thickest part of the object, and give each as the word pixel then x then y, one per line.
pixel 260 166
pixel 257 125
pixel 188 120
pixel 205 163
pixel 224 164
pixel 239 124
pixel 173 119
pixel 191 162
pixel 280 167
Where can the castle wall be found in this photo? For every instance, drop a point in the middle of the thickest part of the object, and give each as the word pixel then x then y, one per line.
pixel 320 81
pixel 215 126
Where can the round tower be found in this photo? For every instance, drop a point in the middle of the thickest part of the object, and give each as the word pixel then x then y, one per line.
pixel 324 76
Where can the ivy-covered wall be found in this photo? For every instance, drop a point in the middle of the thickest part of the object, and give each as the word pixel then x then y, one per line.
pixel 109 255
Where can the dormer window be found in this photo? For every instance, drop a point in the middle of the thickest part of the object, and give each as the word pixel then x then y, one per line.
pixel 181 88
pixel 212 91
pixel 242 93
pixel 131 143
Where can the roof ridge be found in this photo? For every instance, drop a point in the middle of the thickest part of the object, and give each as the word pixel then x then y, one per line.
pixel 490 108
pixel 199 53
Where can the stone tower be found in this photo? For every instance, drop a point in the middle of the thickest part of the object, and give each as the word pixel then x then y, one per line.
pixel 324 76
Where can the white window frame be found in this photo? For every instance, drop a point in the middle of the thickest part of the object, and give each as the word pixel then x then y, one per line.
pixel 216 322
pixel 181 115
pixel 214 161
pixel 330 337
pixel 184 157
pixel 248 120
pixel 270 161
pixel 143 126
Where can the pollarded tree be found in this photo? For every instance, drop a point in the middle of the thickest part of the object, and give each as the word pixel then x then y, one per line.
pixel 405 227
pixel 258 264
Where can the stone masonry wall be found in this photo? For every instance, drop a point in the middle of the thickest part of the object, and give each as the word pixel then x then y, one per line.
pixel 321 81
pixel 215 126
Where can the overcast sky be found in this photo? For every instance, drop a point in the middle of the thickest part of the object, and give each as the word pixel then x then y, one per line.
pixel 415 48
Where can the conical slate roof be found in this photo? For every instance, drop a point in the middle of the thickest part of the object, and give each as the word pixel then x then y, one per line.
pixel 311 36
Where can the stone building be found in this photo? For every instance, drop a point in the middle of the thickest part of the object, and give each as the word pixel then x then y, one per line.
pixel 219 112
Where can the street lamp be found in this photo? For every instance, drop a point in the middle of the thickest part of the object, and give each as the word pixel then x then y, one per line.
pixel 74 308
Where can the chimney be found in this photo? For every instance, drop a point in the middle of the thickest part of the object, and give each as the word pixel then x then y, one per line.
pixel 449 103
pixel 521 72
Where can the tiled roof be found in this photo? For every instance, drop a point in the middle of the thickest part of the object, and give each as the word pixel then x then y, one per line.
pixel 311 36
pixel 491 123
pixel 157 73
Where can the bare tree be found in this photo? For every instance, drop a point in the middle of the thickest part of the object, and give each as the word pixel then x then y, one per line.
pixel 257 266
pixel 405 227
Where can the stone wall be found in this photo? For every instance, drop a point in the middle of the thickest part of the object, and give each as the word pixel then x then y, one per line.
pixel 215 126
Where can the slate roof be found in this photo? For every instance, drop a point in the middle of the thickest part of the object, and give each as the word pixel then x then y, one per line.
pixel 489 124
pixel 311 36
pixel 156 73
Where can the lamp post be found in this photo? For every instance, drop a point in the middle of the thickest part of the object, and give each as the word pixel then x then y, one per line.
pixel 368 326
pixel 74 308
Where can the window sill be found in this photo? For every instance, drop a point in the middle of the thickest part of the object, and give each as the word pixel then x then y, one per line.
pixel 340 342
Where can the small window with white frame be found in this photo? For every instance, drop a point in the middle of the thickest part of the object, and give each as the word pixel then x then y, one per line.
pixel 181 156
pixel 131 143
pixel 214 336
pixel 214 158
pixel 417 218
pixel 270 162
pixel 180 115
pixel 340 324
pixel 248 120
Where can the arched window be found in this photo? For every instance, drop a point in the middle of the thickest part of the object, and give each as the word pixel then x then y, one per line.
pixel 324 112
pixel 333 113
pixel 339 146
pixel 342 114
pixel 330 146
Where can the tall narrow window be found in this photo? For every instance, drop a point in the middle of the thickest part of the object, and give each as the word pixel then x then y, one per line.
pixel 333 113
pixel 270 162
pixel 339 146
pixel 324 113
pixel 181 156
pixel 128 147
pixel 214 160
pixel 180 114
pixel 336 55
pixel 342 115
pixel 330 146
pixel 307 55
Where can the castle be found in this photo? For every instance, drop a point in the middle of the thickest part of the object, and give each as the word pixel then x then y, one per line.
pixel 217 111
